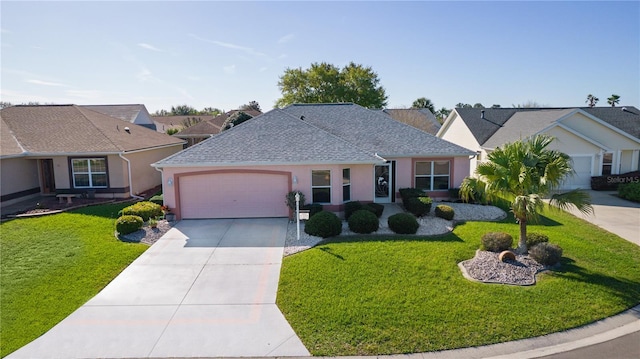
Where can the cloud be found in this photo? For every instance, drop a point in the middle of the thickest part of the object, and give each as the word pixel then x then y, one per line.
pixel 149 47
pixel 263 69
pixel 87 94
pixel 227 45
pixel 146 76
pixel 4 31
pixel 282 56
pixel 184 93
pixel 286 38
pixel 231 69
pixel 194 78
pixel 45 83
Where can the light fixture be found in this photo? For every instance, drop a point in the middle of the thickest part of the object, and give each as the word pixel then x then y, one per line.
pixel 170 182
pixel 295 180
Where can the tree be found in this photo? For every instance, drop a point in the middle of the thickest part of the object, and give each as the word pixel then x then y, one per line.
pixel 5 104
pixel 522 173
pixel 160 113
pixel 252 105
pixel 613 100
pixel 592 100
pixel 326 83
pixel 478 105
pixel 211 111
pixel 424 102
pixel 236 119
pixel 463 105
pixel 442 114
pixel 495 105
pixel 183 110
pixel 529 104
pixel 190 121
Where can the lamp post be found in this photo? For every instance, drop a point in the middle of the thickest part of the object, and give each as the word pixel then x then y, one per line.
pixel 297 216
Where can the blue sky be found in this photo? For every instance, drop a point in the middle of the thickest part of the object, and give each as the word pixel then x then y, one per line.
pixel 224 54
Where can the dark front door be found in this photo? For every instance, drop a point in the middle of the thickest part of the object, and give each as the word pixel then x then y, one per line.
pixel 48 179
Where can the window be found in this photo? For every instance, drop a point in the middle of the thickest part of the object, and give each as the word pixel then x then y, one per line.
pixel 89 172
pixel 607 163
pixel 432 175
pixel 346 184
pixel 321 186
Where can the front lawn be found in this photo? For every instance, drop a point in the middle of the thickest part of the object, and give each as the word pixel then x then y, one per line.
pixel 52 265
pixel 369 295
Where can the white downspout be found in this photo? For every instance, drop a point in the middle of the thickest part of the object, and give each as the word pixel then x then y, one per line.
pixel 129 172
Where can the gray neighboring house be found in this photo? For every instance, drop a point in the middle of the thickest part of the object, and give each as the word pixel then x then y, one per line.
pixel 420 118
pixel 136 114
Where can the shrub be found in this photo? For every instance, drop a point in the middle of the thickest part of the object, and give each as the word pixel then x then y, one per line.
pixel 546 253
pixel 497 241
pixel 630 191
pixel 350 208
pixel 407 193
pixel 128 224
pixel 444 211
pixel 157 199
pixel 376 208
pixel 323 224
pixel 403 223
pixel 419 206
pixel 313 208
pixel 291 200
pixel 534 238
pixel 144 209
pixel 363 221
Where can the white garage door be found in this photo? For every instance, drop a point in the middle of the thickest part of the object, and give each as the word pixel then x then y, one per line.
pixel 582 176
pixel 233 195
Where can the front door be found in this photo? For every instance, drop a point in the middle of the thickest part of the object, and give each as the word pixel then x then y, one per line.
pixel 382 183
pixel 48 179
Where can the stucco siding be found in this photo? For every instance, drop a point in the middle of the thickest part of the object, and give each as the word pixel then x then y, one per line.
pixel 143 176
pixel 17 175
pixel 599 132
pixel 458 133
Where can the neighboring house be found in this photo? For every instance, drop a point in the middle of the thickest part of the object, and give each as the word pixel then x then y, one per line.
pixel 69 149
pixel 166 123
pixel 333 153
pixel 208 127
pixel 600 140
pixel 420 118
pixel 135 114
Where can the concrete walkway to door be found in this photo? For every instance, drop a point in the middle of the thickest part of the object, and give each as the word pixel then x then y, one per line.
pixel 207 288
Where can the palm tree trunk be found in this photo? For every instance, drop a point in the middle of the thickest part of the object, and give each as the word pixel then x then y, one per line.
pixel 522 243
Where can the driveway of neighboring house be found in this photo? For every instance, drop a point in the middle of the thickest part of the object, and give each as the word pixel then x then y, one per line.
pixel 207 288
pixel 614 214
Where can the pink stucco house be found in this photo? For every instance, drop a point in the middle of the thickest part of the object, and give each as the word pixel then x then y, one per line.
pixel 333 153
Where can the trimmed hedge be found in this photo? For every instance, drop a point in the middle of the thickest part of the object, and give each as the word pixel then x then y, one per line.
pixel 444 211
pixel 313 208
pixel 497 241
pixel 128 224
pixel 630 191
pixel 407 193
pixel 144 209
pixel 419 206
pixel 350 208
pixel 157 199
pixel 363 221
pixel 546 253
pixel 403 223
pixel 376 208
pixel 323 224
pixel 534 238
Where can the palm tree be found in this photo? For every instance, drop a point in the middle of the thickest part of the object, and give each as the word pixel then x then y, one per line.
pixel 523 172
pixel 613 100
pixel 592 100
pixel 424 102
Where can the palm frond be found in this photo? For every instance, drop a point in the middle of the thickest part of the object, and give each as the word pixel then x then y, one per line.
pixel 575 198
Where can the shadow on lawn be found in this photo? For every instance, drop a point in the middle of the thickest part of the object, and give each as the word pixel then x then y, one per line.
pixel 626 289
pixel 449 237
pixel 103 210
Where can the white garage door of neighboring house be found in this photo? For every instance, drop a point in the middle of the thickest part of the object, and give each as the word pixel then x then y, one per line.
pixel 582 177
pixel 233 195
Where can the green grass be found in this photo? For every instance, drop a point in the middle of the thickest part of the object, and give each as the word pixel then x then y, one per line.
pixel 368 295
pixel 52 265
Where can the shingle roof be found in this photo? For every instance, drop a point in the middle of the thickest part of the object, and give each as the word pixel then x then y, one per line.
pixel 374 131
pixel 59 129
pixel 627 120
pixel 212 125
pixel 420 118
pixel 523 124
pixel 481 128
pixel 272 138
pixel 9 145
pixel 128 113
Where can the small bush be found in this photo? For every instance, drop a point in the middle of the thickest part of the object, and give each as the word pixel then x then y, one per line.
pixel 350 208
pixel 143 209
pixel 363 221
pixel 407 193
pixel 313 208
pixel 497 241
pixel 403 223
pixel 534 238
pixel 546 253
pixel 630 191
pixel 290 200
pixel 323 224
pixel 419 206
pixel 376 208
pixel 157 199
pixel 128 224
pixel 444 211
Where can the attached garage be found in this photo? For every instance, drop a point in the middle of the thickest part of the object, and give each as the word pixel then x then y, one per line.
pixel 233 194
pixel 582 177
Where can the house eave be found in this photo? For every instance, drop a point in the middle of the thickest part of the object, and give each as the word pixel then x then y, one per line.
pixel 263 163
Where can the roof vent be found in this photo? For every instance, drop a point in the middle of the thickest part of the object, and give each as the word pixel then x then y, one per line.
pixel 302 118
pixel 624 109
pixel 127 129
pixel 482 114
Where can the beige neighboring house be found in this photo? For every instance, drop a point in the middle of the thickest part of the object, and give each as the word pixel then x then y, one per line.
pixel 420 118
pixel 136 114
pixel 600 140
pixel 208 127
pixel 69 149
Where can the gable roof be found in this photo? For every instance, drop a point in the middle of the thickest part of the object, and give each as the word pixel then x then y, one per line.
pixel 374 131
pixel 420 118
pixel 9 145
pixel 275 137
pixel 626 118
pixel 523 124
pixel 71 129
pixel 211 125
pixel 135 113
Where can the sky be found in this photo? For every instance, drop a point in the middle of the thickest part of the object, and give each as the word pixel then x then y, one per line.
pixel 225 54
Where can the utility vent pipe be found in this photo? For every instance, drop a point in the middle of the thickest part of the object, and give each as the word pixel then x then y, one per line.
pixel 482 114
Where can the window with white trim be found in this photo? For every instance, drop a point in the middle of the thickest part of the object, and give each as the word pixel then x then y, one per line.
pixel 89 172
pixel 321 186
pixel 346 184
pixel 432 175
pixel 607 163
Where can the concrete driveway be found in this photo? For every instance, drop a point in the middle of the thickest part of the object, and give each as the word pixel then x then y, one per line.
pixel 205 289
pixel 614 214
